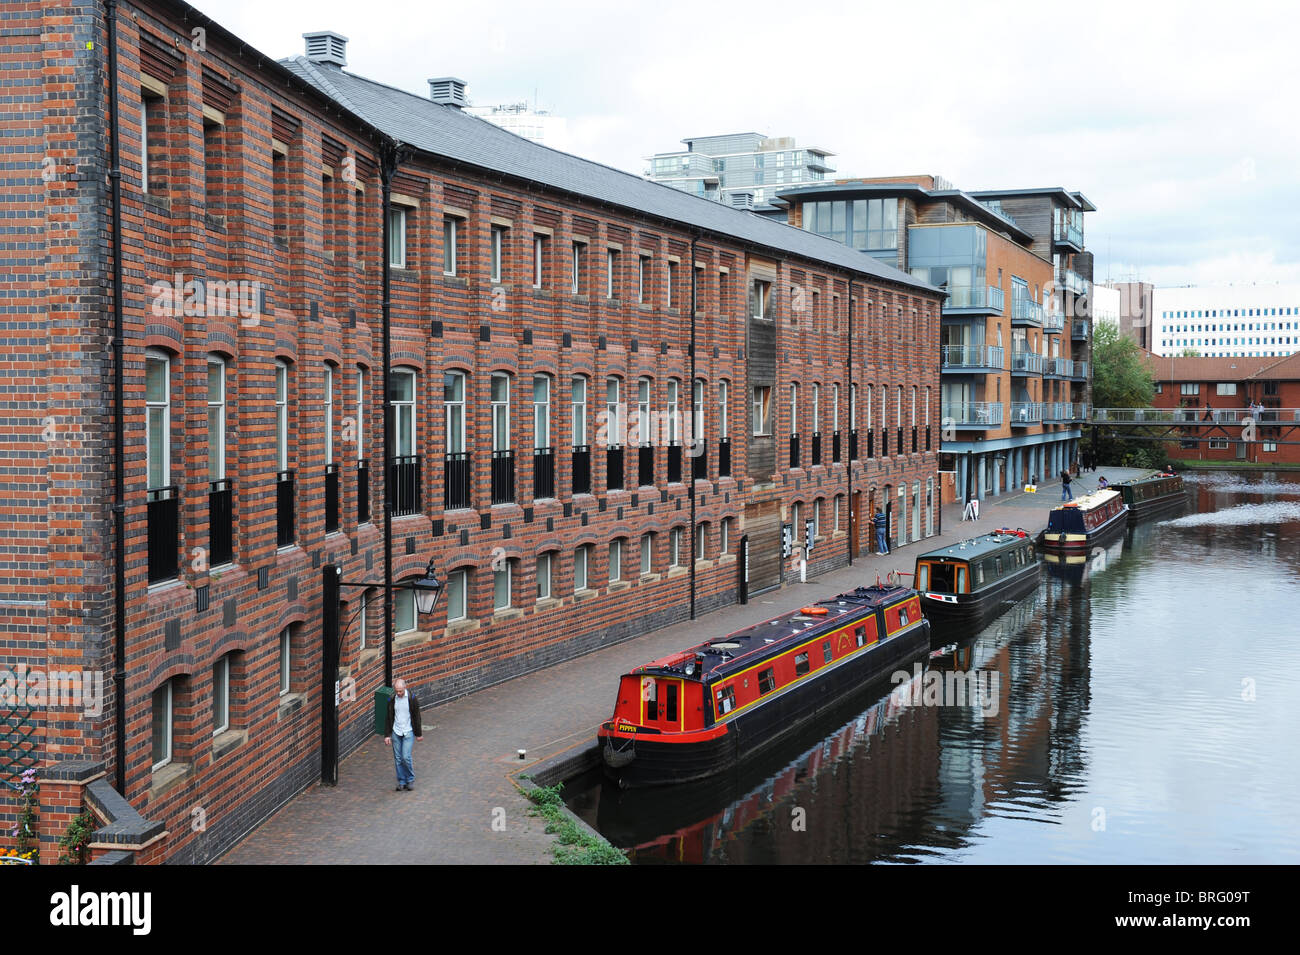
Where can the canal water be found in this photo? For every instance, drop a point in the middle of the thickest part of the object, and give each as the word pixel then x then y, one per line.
pixel 1137 708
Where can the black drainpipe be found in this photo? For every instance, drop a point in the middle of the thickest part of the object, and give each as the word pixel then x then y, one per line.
pixel 119 440
pixel 848 470
pixel 695 291
pixel 388 160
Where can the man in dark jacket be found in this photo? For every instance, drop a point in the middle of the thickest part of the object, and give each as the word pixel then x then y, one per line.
pixel 402 727
pixel 1066 493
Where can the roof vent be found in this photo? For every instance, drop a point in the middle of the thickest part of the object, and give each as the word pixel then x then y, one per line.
pixel 327 47
pixel 449 91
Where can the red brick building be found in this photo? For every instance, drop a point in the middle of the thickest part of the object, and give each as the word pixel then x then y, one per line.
pixel 562 338
pixel 1218 395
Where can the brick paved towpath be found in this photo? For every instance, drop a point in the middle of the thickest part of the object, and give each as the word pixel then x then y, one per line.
pixel 469 748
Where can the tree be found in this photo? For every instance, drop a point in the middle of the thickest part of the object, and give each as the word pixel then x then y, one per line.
pixel 1121 379
pixel 1190 352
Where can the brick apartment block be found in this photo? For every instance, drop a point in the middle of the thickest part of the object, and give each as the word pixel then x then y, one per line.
pixel 531 291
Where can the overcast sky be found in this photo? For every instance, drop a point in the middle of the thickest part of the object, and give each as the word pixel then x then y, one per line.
pixel 1178 121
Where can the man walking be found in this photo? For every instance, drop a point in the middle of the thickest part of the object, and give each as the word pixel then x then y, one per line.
pixel 882 532
pixel 1066 493
pixel 402 728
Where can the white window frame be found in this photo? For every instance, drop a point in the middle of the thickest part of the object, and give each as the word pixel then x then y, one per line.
pixel 545 575
pixel 164 418
pixel 581 567
pixel 611 260
pixel 397 244
pixel 539 260
pixel 500 412
pixel 647 554
pixel 221 695
pixel 498 242
pixel 613 413
pixel 450 229
pixel 404 612
pixel 761 411
pixel 359 426
pixel 673 409
pixel 454 386
pixel 542 413
pixel 697 412
pixel 675 547
pixel 641 261
pixel 578 410
pixel 457 587
pixel 168 692
pixel 724 423
pixel 575 262
pixel 724 536
pixel 794 408
pixel 644 438
pixel 217 428
pixel 501 585
pixel 404 408
pixel 615 560
pixel 701 540
pixel 281 415
pixel 286 661
pixel 328 388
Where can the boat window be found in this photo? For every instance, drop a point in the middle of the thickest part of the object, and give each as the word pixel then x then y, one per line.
pixel 671 706
pixel 766 681
pixel 726 699
pixel 997 562
pixel 902 616
pixel 923 577
pixel 961 580
pixel 801 665
pixel 942 578
pixel 861 634
pixel 979 572
pixel 826 652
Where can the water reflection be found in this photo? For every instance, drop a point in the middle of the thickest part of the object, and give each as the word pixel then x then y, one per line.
pixel 1138 715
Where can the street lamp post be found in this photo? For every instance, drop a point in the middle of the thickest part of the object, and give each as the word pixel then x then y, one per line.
pixel 427 591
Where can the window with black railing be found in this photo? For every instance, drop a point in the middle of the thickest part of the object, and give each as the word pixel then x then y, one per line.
pixel 582 470
pixel 221 522
pixel 645 465
pixel 164 533
pixel 817 447
pixel 853 445
pixel 404 484
pixel 363 492
pixel 724 458
pixel 503 477
pixel 284 495
pixel 914 439
pixel 898 446
pixel 836 454
pixel 927 437
pixel 674 462
pixel 871 443
pixel 884 442
pixel 794 450
pixel 331 498
pixel 455 480
pixel 700 462
pixel 615 479
pixel 543 473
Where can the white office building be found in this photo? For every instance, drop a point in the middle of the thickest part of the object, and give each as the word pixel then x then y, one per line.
pixel 525 120
pixel 1227 321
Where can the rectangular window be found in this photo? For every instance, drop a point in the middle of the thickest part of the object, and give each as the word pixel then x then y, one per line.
pixel 724 536
pixel 615 560
pixel 162 726
pixel 701 541
pixel 158 403
pixel 801 664
pixel 216 419
pixel 826 652
pixel 457 595
pixel 762 416
pixel 611 273
pixel 545 564
pixel 766 681
pixel 501 588
pixel 1190 388
pixel 578 428
pixel 641 262
pixel 500 413
pixel 580 568
pixel 397 237
pixel 285 662
pixel 221 695
pixel 449 229
pixel 675 547
pixel 760 301
pixel 498 252
pixel 647 554
pixel 539 259
pixel 575 266
pixel 671 284
pixel 541 412
pixel 1226 388
pixel 404 611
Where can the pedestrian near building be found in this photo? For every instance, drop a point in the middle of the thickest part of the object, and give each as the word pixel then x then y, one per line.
pixel 1066 493
pixel 882 532
pixel 400 731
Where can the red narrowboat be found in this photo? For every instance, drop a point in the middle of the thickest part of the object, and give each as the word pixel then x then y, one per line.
pixel 700 712
pixel 1087 521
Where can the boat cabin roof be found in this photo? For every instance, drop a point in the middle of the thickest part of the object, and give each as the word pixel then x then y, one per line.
pixel 976 547
pixel 743 648
pixel 1146 478
pixel 1089 501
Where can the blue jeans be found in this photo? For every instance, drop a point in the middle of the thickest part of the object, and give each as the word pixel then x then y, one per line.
pixel 1066 493
pixel 882 546
pixel 402 746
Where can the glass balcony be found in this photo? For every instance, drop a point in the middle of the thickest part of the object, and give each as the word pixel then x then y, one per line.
pixel 1053 323
pixel 1071 281
pixel 987 298
pixel 1025 413
pixel 1081 331
pixel 1071 234
pixel 1025 311
pixel 968 358
pixel 1057 368
pixel 1026 363
pixel 1080 372
pixel 974 414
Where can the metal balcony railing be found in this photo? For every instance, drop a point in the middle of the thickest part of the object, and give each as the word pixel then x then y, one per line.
pixel 724 458
pixel 1071 281
pixel 835 447
pixel 1026 363
pixel 582 470
pixel 794 451
pixel 1080 371
pixel 503 477
pixel 284 505
pixel 543 473
pixel 674 462
pixel 971 356
pixel 1068 233
pixel 363 492
pixel 221 523
pixel 700 460
pixel 404 473
pixel 974 414
pixel 1025 311
pixel 1057 368
pixel 645 465
pixel 816 448
pixel 331 498
pixel 1081 330
pixel 164 533
pixel 1024 413
pixel 974 297
pixel 1053 322
pixel 615 479
pixel 455 480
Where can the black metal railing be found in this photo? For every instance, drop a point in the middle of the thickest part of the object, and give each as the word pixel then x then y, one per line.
pixel 884 442
pixel 645 465
pixel 543 473
pixel 817 447
pixel 700 462
pixel 871 444
pixel 724 458
pixel 164 539
pixel 794 450
pixel 455 480
pixel 404 484
pixel 284 494
pixel 503 477
pixel 615 477
pixel 898 446
pixel 915 446
pixel 674 462
pixel 331 498
pixel 221 522
pixel 363 492
pixel 835 448
pixel 582 470
pixel 853 445
pixel 927 437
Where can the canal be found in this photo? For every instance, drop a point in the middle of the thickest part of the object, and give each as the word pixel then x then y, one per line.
pixel 1136 708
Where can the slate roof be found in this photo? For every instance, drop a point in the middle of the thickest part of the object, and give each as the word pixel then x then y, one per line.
pixel 449 132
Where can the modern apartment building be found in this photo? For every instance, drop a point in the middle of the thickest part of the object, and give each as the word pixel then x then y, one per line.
pixel 1252 321
pixel 362 329
pixel 1135 311
pixel 742 170
pixel 1015 326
